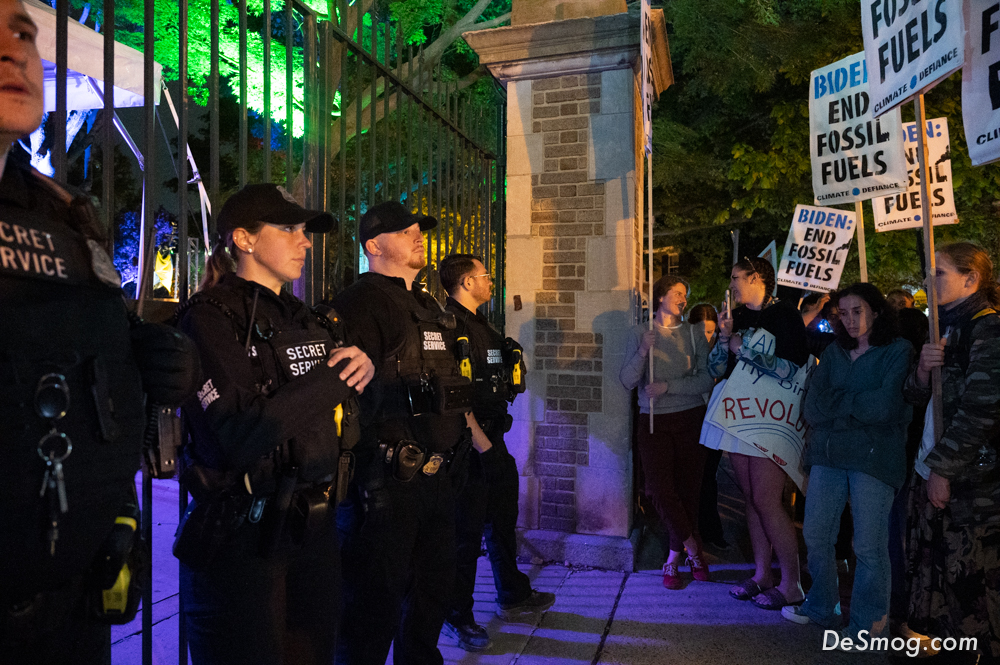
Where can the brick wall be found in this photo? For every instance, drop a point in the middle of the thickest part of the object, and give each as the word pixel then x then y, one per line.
pixel 566 209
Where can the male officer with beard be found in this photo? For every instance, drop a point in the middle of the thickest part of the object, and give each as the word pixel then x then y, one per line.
pixel 397 525
pixel 72 376
pixel 489 499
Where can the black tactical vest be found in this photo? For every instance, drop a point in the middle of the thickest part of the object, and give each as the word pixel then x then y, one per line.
pixel 61 312
pixel 498 372
pixel 280 352
pixel 425 395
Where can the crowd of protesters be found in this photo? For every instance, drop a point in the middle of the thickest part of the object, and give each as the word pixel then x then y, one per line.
pixel 916 503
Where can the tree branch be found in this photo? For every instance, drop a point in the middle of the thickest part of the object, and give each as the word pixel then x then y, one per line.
pixel 492 23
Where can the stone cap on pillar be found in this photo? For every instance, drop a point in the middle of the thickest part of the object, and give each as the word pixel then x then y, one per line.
pixel 567 38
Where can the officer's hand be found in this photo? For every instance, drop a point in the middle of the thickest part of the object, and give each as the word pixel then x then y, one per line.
pixel 356 373
pixel 168 363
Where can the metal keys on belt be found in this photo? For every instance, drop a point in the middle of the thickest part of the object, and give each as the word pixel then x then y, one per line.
pixel 54 448
pixel 52 403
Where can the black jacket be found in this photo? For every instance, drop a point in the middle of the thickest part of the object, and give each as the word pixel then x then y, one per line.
pixel 275 400
pixel 61 312
pixel 373 309
pixel 487 358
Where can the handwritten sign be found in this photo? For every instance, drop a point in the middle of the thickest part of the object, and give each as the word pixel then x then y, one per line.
pixel 764 413
pixel 853 153
pixel 818 242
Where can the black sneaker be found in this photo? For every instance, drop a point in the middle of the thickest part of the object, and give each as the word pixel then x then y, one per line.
pixel 470 636
pixel 538 601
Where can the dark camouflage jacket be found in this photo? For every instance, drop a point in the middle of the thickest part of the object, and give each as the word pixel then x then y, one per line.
pixel 971 399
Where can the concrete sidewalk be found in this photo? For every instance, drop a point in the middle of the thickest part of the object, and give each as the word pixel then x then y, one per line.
pixel 599 616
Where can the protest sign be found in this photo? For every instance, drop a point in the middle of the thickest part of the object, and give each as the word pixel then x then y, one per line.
pixel 853 154
pixel 818 242
pixel 909 47
pixel 981 81
pixel 765 413
pixel 902 211
pixel 646 61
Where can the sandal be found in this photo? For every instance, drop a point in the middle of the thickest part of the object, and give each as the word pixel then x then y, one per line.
pixel 773 599
pixel 746 589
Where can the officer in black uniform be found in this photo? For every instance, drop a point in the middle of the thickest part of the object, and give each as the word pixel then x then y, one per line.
pixel 72 375
pixel 490 496
pixel 398 522
pixel 271 428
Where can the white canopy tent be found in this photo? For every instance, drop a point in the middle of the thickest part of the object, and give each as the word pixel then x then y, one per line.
pixel 85 91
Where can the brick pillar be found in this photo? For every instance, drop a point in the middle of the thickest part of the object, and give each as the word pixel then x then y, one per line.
pixel 567 208
pixel 574 173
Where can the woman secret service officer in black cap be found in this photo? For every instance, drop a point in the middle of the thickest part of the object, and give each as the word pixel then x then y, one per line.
pixel 260 567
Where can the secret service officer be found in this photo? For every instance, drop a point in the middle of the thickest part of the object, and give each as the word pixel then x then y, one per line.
pixel 488 502
pixel 73 369
pixel 260 575
pixel 397 525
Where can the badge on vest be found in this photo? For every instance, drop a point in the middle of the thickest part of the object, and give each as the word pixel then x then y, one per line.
pixel 102 265
pixel 494 357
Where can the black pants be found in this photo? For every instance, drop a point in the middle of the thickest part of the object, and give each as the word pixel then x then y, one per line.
pixel 488 506
pixel 399 568
pixel 71 639
pixel 250 609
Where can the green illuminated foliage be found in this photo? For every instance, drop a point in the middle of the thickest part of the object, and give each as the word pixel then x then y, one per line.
pixel 731 138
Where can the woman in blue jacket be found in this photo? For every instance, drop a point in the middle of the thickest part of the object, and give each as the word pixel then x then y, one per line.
pixel 856 448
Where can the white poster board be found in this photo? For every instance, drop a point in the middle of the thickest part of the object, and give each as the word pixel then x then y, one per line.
pixel 909 47
pixel 981 81
pixel 854 155
pixel 818 242
pixel 764 413
pixel 902 211
pixel 646 59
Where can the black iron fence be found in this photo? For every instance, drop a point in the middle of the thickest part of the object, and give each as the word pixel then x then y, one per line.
pixel 347 116
pixel 329 103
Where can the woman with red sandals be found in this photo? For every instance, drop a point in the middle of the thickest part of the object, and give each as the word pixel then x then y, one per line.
pixel 760 479
pixel 672 460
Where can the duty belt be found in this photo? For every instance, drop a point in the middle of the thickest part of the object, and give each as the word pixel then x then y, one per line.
pixel 407 457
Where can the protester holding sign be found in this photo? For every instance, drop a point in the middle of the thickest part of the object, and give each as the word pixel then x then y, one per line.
pixel 856 449
pixel 955 503
pixel 672 460
pixel 760 477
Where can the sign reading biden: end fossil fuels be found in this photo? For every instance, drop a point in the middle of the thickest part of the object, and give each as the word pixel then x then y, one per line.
pixel 854 155
pixel 910 45
pixel 817 245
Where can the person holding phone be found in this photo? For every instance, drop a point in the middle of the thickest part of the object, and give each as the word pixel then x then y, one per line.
pixel 760 479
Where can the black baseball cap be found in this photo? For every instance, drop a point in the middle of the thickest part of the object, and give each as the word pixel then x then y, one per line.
pixel 271 204
pixel 389 217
